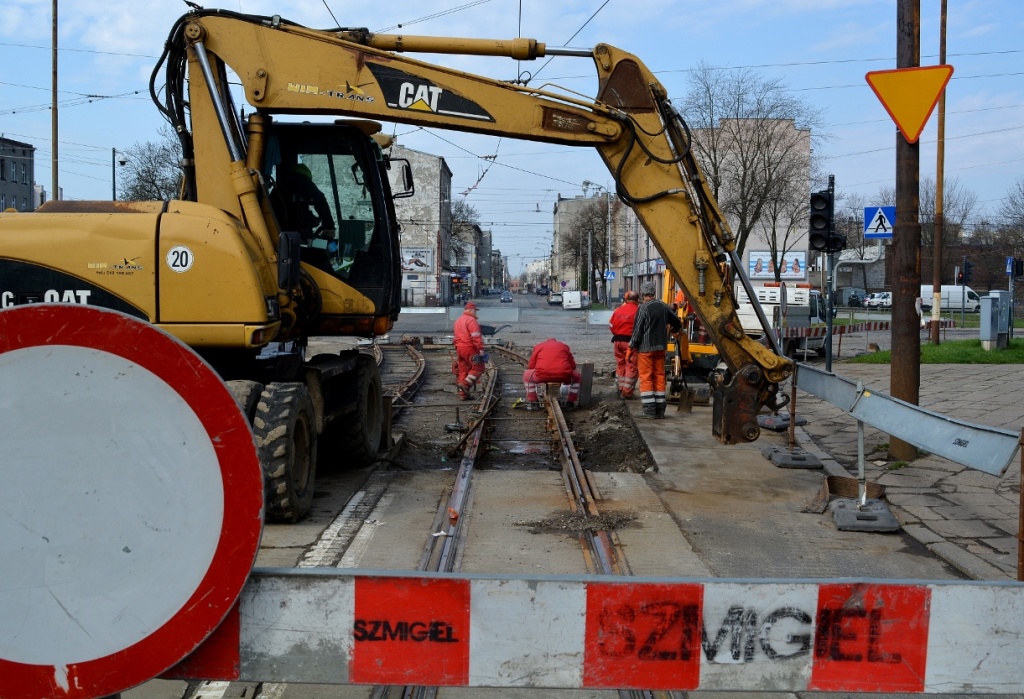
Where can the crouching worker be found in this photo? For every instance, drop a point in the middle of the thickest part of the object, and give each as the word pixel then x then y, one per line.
pixel 551 362
pixel 469 348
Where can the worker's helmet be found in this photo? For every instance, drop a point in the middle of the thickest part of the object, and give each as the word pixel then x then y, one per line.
pixel 300 169
pixel 647 289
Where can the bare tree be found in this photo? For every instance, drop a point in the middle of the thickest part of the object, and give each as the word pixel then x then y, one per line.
pixel 784 221
pixel 152 169
pixel 1012 213
pixel 587 238
pixel 465 230
pixel 753 141
pixel 959 205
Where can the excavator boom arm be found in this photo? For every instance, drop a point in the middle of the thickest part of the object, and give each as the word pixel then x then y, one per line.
pixel 286 68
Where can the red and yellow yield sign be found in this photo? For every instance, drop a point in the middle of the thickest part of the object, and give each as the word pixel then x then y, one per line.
pixel 910 95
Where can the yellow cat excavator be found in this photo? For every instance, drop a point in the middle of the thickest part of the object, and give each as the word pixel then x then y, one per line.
pixel 286 229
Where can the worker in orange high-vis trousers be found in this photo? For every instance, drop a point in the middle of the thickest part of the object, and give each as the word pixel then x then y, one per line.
pixel 469 349
pixel 649 342
pixel 621 325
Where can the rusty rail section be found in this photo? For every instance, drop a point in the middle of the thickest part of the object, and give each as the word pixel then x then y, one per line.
pixel 600 548
pixel 402 392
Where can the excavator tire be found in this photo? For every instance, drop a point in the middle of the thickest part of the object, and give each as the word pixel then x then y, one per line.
pixel 286 438
pixel 247 395
pixel 358 433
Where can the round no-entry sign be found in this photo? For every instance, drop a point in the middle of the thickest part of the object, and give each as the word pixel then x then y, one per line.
pixel 132 501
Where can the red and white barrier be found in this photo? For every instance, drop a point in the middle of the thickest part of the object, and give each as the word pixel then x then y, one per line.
pixel 866 326
pixel 476 631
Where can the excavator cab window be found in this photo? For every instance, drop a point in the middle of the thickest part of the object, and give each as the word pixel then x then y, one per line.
pixel 322 192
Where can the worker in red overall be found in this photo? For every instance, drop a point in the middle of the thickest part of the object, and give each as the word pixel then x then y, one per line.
pixel 551 361
pixel 469 349
pixel 621 325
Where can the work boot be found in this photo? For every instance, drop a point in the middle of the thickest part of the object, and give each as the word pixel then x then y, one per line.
pixel 649 412
pixel 533 405
pixel 659 411
pixel 463 395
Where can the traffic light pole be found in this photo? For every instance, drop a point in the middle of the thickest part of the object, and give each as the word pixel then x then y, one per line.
pixel 830 285
pixel 824 238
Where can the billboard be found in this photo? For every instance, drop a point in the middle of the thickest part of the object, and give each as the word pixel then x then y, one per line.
pixel 418 260
pixel 760 265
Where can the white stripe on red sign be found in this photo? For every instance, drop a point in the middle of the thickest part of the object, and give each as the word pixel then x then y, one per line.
pixel 603 633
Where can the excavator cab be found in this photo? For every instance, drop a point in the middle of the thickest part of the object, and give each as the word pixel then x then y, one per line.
pixel 329 183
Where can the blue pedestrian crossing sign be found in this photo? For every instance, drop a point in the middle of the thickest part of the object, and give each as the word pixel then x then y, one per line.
pixel 609 275
pixel 879 221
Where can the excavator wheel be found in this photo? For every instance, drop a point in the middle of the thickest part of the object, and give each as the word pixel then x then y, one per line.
pixel 247 395
pixel 286 437
pixel 357 435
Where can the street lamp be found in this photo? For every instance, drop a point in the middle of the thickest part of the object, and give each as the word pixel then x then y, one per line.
pixel 114 160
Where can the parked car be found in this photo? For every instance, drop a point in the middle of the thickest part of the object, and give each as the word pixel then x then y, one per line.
pixel 879 300
pixel 506 297
pixel 555 298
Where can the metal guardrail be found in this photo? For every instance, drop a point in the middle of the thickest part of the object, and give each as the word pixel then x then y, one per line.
pixel 981 447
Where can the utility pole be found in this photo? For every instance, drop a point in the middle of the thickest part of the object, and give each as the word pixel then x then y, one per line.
pixel 939 169
pixel 636 254
pixel 590 262
pixel 55 194
pixel 905 381
pixel 608 265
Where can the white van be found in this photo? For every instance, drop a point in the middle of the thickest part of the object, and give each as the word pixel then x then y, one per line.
pixel 575 299
pixel 805 309
pixel 954 298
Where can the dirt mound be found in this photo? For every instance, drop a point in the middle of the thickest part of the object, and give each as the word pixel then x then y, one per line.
pixel 607 439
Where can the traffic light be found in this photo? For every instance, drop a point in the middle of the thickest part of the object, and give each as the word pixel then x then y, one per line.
pixel 959 278
pixel 823 236
pixel 968 267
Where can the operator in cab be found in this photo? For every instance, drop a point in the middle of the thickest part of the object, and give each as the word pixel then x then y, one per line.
pixel 307 207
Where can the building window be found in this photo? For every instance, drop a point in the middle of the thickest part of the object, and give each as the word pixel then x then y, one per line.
pixel 24 173
pixel 3 202
pixel 14 172
pixel 3 169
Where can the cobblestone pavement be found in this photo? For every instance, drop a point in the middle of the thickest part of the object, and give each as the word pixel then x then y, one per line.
pixel 967 517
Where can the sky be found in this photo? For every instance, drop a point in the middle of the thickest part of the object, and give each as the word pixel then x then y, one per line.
pixel 820 50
